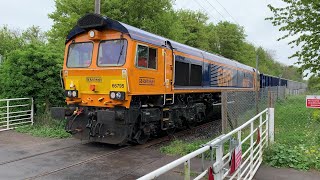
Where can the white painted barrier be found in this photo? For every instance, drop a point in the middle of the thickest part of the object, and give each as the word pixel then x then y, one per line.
pixel 251 158
pixel 15 112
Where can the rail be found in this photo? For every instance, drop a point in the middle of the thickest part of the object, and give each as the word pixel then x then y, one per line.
pixel 15 112
pixel 232 164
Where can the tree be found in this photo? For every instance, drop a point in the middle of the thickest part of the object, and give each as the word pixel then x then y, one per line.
pixel 31 67
pixel 195 29
pixel 33 34
pixel 231 38
pixel 156 16
pixel 213 39
pixel 314 83
pixel 247 54
pixel 9 40
pixel 32 71
pixel 300 20
pixel 15 39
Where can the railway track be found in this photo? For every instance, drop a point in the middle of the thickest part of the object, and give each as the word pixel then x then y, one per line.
pixel 78 163
pixel 35 155
pixel 188 132
pixel 177 135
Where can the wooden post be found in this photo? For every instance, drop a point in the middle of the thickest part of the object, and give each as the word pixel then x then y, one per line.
pixel 236 111
pixel 271 99
pixel 224 112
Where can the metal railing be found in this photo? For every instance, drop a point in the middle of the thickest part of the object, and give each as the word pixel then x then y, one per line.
pixel 15 112
pixel 257 132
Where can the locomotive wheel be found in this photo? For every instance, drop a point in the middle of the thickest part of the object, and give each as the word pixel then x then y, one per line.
pixel 191 125
pixel 142 132
pixel 171 131
pixel 141 137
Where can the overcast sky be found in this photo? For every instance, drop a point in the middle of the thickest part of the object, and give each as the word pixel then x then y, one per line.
pixel 21 14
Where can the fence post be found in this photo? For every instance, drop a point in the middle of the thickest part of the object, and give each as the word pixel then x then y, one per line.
pixel 271 125
pixel 251 150
pixel 219 156
pixel 224 112
pixel 187 170
pixel 32 111
pixel 8 114
pixel 260 143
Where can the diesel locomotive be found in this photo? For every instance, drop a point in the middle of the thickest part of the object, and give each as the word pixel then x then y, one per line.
pixel 123 84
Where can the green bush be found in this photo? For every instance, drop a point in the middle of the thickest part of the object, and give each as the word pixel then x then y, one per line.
pixel 316 115
pixel 282 155
pixel 33 71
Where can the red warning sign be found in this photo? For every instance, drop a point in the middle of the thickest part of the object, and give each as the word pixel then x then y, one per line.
pixel 236 159
pixel 313 101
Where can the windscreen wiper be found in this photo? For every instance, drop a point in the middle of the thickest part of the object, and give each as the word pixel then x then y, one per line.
pixel 121 52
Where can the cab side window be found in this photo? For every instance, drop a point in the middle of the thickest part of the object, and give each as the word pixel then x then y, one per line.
pixel 146 57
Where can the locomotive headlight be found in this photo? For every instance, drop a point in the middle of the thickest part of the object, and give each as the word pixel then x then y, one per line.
pixel 69 93
pixel 91 33
pixel 112 95
pixel 74 93
pixel 117 95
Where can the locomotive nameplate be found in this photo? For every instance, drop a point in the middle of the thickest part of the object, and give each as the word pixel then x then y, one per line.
pixel 146 81
pixel 94 79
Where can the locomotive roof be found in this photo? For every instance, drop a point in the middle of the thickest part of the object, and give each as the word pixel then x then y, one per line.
pixel 95 21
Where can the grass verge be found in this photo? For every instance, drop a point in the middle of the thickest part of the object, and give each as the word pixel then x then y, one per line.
pixel 45 126
pixel 297 136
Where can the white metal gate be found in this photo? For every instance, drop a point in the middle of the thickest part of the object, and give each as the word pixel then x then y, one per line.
pixel 251 137
pixel 15 112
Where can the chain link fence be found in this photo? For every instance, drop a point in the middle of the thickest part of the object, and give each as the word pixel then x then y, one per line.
pixel 237 107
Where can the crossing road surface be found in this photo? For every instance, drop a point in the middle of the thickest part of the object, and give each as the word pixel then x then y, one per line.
pixel 26 157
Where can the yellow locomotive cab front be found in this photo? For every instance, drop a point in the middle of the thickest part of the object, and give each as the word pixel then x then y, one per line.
pixel 93 70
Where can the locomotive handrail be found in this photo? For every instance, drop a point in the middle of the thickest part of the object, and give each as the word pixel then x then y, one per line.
pixel 253 160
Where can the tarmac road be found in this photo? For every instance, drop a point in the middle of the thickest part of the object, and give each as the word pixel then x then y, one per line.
pixel 26 157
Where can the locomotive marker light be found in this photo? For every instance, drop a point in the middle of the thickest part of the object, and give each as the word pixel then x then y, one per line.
pixel 94 34
pixel 91 33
